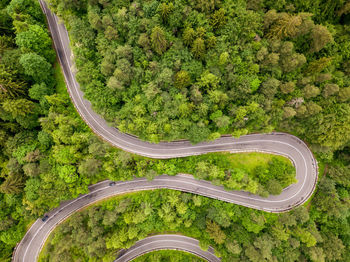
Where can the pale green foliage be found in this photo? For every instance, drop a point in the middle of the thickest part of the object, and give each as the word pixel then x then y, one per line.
pixel 287 88
pixel 321 37
pixel 209 81
pixel 158 40
pixel 19 107
pixel 311 91
pixel 283 24
pixel 319 65
pixel 188 36
pixel 223 59
pixel 344 94
pixel 182 79
pixel 233 247
pixel 330 89
pixel 198 48
pixel 111 33
pixel 218 18
pixel 165 10
pixel 13 184
pixel 215 232
pixel 206 6
pixel 68 173
pixel 288 112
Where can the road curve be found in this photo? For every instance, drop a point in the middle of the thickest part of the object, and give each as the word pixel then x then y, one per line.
pixel 30 246
pixel 276 143
pixel 161 242
pixel 128 142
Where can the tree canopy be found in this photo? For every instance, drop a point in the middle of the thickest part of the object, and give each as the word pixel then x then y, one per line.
pixel 170 67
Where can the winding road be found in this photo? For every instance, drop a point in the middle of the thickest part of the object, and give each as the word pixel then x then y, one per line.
pixel 276 143
pixel 173 242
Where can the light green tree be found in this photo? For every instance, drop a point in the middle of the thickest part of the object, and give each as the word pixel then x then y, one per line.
pixel 37 40
pixel 311 91
pixel 18 107
pixel 198 48
pixel 320 37
pixel 158 40
pixel 330 89
pixel 285 25
pixel 288 112
pixel 287 88
pixel 188 36
pixel 215 232
pixel 13 184
pixel 165 10
pixel 11 89
pixel 182 79
pixel 218 19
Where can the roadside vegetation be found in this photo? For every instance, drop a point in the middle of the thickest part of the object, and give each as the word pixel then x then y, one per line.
pixel 237 233
pixel 166 70
pixel 48 154
pixel 257 173
pixel 168 255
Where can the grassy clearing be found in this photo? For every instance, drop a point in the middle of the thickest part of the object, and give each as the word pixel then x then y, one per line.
pixel 250 161
pixel 255 172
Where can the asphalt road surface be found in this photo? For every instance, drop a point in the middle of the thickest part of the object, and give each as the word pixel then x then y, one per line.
pixel 277 143
pixel 31 244
pixel 160 242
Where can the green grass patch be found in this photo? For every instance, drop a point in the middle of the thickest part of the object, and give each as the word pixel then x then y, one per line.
pixel 321 169
pixel 250 161
pixel 168 256
pixel 255 172
pixel 60 83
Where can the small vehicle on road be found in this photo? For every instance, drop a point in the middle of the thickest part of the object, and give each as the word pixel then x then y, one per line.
pixel 45 218
pixel 112 184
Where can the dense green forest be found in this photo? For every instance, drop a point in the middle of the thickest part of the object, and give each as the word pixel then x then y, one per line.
pixel 168 256
pixel 237 233
pixel 165 70
pixel 48 154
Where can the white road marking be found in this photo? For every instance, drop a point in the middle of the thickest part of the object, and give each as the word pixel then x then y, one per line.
pixel 54 214
pixel 167 149
pixel 162 247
